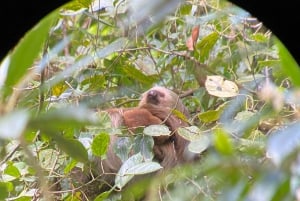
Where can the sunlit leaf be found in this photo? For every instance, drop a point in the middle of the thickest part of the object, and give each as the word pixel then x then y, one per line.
pixel 12 170
pixel 259 37
pixel 59 88
pixel 70 166
pixel 217 86
pixel 77 4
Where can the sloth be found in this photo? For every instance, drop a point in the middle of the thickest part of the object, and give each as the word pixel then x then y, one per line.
pixel 155 107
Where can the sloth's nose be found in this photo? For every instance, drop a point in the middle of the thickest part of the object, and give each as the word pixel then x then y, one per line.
pixel 153 93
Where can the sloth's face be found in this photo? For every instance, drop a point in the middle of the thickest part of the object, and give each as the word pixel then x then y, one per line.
pixel 160 96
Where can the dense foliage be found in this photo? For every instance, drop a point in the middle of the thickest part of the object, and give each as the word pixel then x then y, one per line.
pixel 237 80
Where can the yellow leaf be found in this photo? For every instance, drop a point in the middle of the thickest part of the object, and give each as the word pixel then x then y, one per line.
pixel 58 89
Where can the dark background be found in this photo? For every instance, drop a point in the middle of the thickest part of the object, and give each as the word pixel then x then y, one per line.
pixel 281 18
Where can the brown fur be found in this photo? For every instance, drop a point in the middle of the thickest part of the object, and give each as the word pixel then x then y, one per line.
pixel 155 107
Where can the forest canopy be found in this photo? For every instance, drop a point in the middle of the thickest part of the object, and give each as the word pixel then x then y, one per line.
pixel 237 80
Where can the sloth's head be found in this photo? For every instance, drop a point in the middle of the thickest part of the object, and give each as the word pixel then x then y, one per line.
pixel 163 97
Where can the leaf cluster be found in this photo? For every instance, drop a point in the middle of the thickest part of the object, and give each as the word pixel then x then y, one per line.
pixel 85 57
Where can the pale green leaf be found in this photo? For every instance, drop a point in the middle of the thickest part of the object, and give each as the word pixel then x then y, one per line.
pixel 218 86
pixel 122 147
pixel 123 177
pixel 144 144
pixel 144 168
pixel 190 133
pixel 199 145
pixel 157 130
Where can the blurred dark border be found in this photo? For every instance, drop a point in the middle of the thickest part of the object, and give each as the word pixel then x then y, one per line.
pixel 282 18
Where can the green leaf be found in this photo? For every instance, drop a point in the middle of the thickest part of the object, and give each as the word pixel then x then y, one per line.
pixel 12 125
pixel 222 142
pixel 12 170
pixel 77 4
pixel 102 196
pixel 3 190
pixel 85 3
pixel 180 115
pixel 24 198
pixel 185 9
pixel 209 116
pixel 206 44
pixel 70 166
pixel 135 74
pixel 157 130
pixel 72 147
pixel 94 83
pixel 76 196
pixel 100 144
pixel 27 50
pixel 288 64
pixel 259 37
